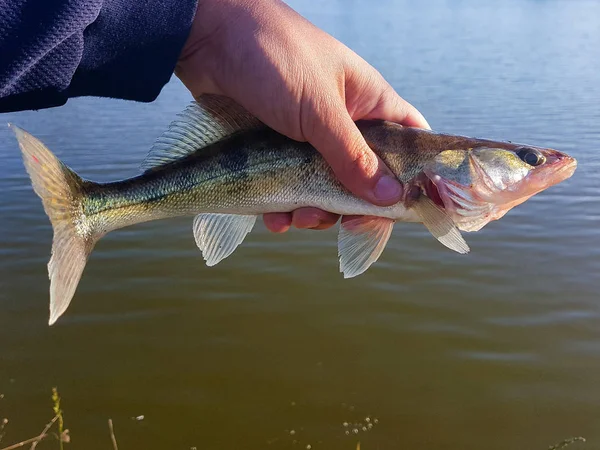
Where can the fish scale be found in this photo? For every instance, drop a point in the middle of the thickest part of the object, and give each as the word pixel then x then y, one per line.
pixel 222 165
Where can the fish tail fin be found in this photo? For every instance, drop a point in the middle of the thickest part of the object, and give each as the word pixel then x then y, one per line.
pixel 61 192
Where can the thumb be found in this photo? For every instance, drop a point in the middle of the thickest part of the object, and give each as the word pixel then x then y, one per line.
pixel 336 136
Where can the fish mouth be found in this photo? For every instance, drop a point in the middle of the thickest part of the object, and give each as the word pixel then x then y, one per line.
pixel 568 168
pixel 558 168
pixel 559 163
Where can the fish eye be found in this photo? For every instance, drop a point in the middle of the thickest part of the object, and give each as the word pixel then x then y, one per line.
pixel 531 156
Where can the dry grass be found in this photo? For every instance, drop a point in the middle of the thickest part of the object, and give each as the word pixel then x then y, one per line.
pixel 566 442
pixel 112 435
pixel 62 435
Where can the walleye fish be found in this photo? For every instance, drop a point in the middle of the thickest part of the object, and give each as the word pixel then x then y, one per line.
pixel 222 165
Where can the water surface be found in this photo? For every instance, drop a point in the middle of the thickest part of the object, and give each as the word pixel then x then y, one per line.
pixel 272 348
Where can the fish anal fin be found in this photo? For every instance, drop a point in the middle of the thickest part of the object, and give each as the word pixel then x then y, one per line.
pixel 218 235
pixel 361 241
pixel 205 121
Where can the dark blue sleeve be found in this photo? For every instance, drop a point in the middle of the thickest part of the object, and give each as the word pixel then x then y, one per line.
pixel 52 50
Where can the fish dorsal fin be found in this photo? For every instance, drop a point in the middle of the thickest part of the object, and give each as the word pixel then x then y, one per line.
pixel 440 225
pixel 361 241
pixel 204 122
pixel 218 235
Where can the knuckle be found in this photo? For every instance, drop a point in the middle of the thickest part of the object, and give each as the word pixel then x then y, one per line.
pixel 361 162
pixel 390 96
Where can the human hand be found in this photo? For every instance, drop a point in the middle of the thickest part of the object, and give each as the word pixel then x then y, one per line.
pixel 301 82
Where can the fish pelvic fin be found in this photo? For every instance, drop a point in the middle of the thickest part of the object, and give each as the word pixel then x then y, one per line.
pixel 361 241
pixel 61 192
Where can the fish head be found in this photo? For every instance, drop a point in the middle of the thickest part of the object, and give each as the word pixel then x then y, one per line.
pixel 476 186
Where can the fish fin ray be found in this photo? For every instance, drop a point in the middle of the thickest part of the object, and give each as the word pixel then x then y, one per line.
pixel 361 242
pixel 61 192
pixel 469 212
pixel 70 253
pixel 205 121
pixel 440 225
pixel 218 235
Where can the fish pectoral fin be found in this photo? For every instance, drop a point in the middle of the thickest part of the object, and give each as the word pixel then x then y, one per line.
pixel 361 241
pixel 218 235
pixel 440 225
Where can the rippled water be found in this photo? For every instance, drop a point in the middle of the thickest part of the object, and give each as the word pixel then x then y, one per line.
pixel 499 349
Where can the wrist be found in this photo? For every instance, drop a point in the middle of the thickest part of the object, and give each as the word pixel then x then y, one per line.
pixel 219 39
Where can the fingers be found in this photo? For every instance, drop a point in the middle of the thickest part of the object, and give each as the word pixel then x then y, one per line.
pixel 370 96
pixel 394 108
pixel 278 222
pixel 313 218
pixel 310 218
pixel 335 135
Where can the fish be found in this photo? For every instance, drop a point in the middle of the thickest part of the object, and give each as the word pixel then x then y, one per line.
pixel 223 166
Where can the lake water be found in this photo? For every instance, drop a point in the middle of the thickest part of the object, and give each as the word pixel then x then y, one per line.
pixel 272 348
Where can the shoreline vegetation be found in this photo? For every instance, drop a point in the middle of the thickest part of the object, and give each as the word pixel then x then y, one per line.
pixel 55 430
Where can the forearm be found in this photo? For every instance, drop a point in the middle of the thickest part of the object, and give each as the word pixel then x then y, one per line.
pixel 52 50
